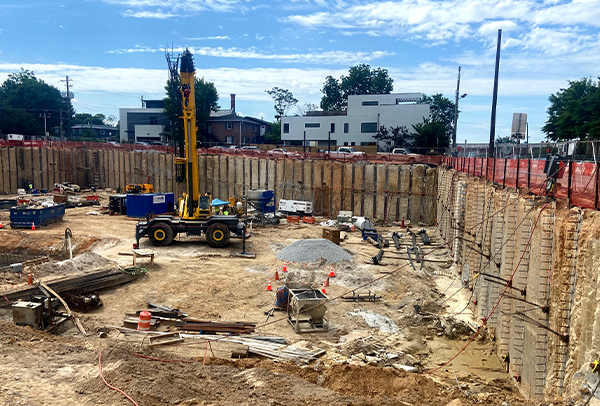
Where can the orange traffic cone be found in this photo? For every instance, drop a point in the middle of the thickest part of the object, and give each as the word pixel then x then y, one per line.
pixel 33 226
pixel 276 275
pixel 269 288
pixel 326 283
pixel 402 225
pixel 29 278
pixel 1 226
pixel 323 291
pixel 331 273
pixel 284 268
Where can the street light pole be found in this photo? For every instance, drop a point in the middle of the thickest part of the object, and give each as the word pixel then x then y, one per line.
pixel 456 112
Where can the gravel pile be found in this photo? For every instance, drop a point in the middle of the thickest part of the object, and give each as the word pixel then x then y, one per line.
pixel 305 251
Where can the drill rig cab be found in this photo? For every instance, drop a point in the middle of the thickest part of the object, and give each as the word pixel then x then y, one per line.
pixel 195 214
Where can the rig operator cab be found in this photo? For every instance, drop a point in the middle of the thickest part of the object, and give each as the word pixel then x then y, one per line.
pixel 195 214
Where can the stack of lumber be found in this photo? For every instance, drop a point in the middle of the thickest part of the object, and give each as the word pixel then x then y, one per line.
pixel 269 349
pixel 206 326
pixel 78 285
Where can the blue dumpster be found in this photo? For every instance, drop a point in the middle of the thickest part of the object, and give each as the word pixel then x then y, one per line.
pixel 139 205
pixel 24 217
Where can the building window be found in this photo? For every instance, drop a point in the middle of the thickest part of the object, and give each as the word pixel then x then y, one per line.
pixel 370 103
pixel 332 128
pixel 286 128
pixel 153 121
pixel 368 127
pixel 255 128
pixel 102 131
pixel 312 125
pixel 229 125
pixel 345 128
pixel 345 143
pixel 353 143
pixel 229 139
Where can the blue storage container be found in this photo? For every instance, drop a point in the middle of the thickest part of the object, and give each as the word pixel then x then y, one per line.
pixel 139 205
pixel 261 200
pixel 23 217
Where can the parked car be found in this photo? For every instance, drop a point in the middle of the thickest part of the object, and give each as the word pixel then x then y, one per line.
pixel 402 151
pixel 142 143
pixel 282 153
pixel 346 153
pixel 251 147
pixel 157 143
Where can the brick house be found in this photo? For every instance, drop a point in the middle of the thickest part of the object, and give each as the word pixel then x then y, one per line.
pixel 227 127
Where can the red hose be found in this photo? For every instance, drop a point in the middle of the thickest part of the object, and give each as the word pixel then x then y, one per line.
pixel 109 385
pixel 163 360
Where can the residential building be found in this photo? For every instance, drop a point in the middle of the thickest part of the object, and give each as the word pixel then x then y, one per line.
pixel 100 131
pixel 143 124
pixel 357 125
pixel 228 127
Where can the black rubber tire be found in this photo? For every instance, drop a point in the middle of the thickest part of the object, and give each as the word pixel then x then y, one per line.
pixel 217 235
pixel 161 234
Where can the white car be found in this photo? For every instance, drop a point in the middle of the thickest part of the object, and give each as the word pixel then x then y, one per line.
pixel 402 151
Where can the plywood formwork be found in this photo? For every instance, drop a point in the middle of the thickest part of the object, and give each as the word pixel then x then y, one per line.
pixel 297 180
pixel 317 187
pixel 231 176
pixel 279 182
pixel 338 187
pixel 347 187
pixel 327 187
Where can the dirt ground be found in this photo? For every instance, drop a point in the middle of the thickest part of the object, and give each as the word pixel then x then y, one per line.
pixel 43 369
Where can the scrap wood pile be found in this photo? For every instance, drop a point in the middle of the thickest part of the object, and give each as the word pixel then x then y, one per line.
pixel 267 348
pixel 203 326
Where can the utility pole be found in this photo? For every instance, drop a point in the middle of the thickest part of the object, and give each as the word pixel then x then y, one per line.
pixel 491 153
pixel 142 99
pixel 69 109
pixel 45 116
pixel 456 112
pixel 61 125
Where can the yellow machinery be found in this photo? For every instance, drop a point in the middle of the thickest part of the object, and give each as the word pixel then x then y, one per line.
pixel 141 188
pixel 195 217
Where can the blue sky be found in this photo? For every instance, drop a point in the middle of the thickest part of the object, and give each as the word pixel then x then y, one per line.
pixel 114 49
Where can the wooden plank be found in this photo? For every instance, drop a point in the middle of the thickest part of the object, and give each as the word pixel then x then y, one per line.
pixel 44 167
pixel 271 163
pixel 239 176
pixel 169 175
pixel 298 179
pixel 327 188
pixel 262 169
pixel 26 172
pixel 317 187
pixel 3 169
pixel 223 178
pixel 201 174
pixel 163 173
pixel 347 187
pixel 392 195
pixel 369 193
pixel 279 181
pixel 405 177
pixel 56 165
pixel 255 173
pixel 381 196
pixel 122 171
pixel 429 200
pixel 418 175
pixel 288 179
pixel 337 190
pixel 231 176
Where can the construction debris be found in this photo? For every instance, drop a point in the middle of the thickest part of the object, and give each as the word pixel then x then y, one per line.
pixel 305 251
pixel 205 326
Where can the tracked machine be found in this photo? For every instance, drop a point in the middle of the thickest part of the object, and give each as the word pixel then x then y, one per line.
pixel 195 213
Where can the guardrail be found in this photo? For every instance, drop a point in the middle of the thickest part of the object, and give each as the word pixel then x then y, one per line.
pixel 578 182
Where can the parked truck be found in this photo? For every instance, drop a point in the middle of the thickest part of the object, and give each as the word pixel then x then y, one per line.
pixel 346 153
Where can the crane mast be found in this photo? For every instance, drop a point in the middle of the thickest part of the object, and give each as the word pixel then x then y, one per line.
pixel 188 205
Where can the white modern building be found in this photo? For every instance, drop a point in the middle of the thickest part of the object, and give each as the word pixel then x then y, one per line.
pixel 357 125
pixel 143 124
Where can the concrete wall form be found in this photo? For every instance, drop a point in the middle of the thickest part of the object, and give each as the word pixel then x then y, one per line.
pixel 382 191
pixel 552 253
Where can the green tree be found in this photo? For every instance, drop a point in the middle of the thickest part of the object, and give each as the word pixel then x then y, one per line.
pixel 87 118
pixel 441 110
pixel 273 136
pixel 504 140
pixel 394 137
pixel 206 98
pixel 430 134
pixel 284 101
pixel 574 112
pixel 23 98
pixel 361 79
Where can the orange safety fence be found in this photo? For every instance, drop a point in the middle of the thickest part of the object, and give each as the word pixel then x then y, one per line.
pixel 576 181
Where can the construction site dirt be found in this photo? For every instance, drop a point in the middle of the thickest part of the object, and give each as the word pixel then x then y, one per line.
pixel 366 345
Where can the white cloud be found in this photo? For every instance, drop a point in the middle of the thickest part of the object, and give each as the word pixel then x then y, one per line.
pixel 325 57
pixel 259 38
pixel 218 37
pixel 162 9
